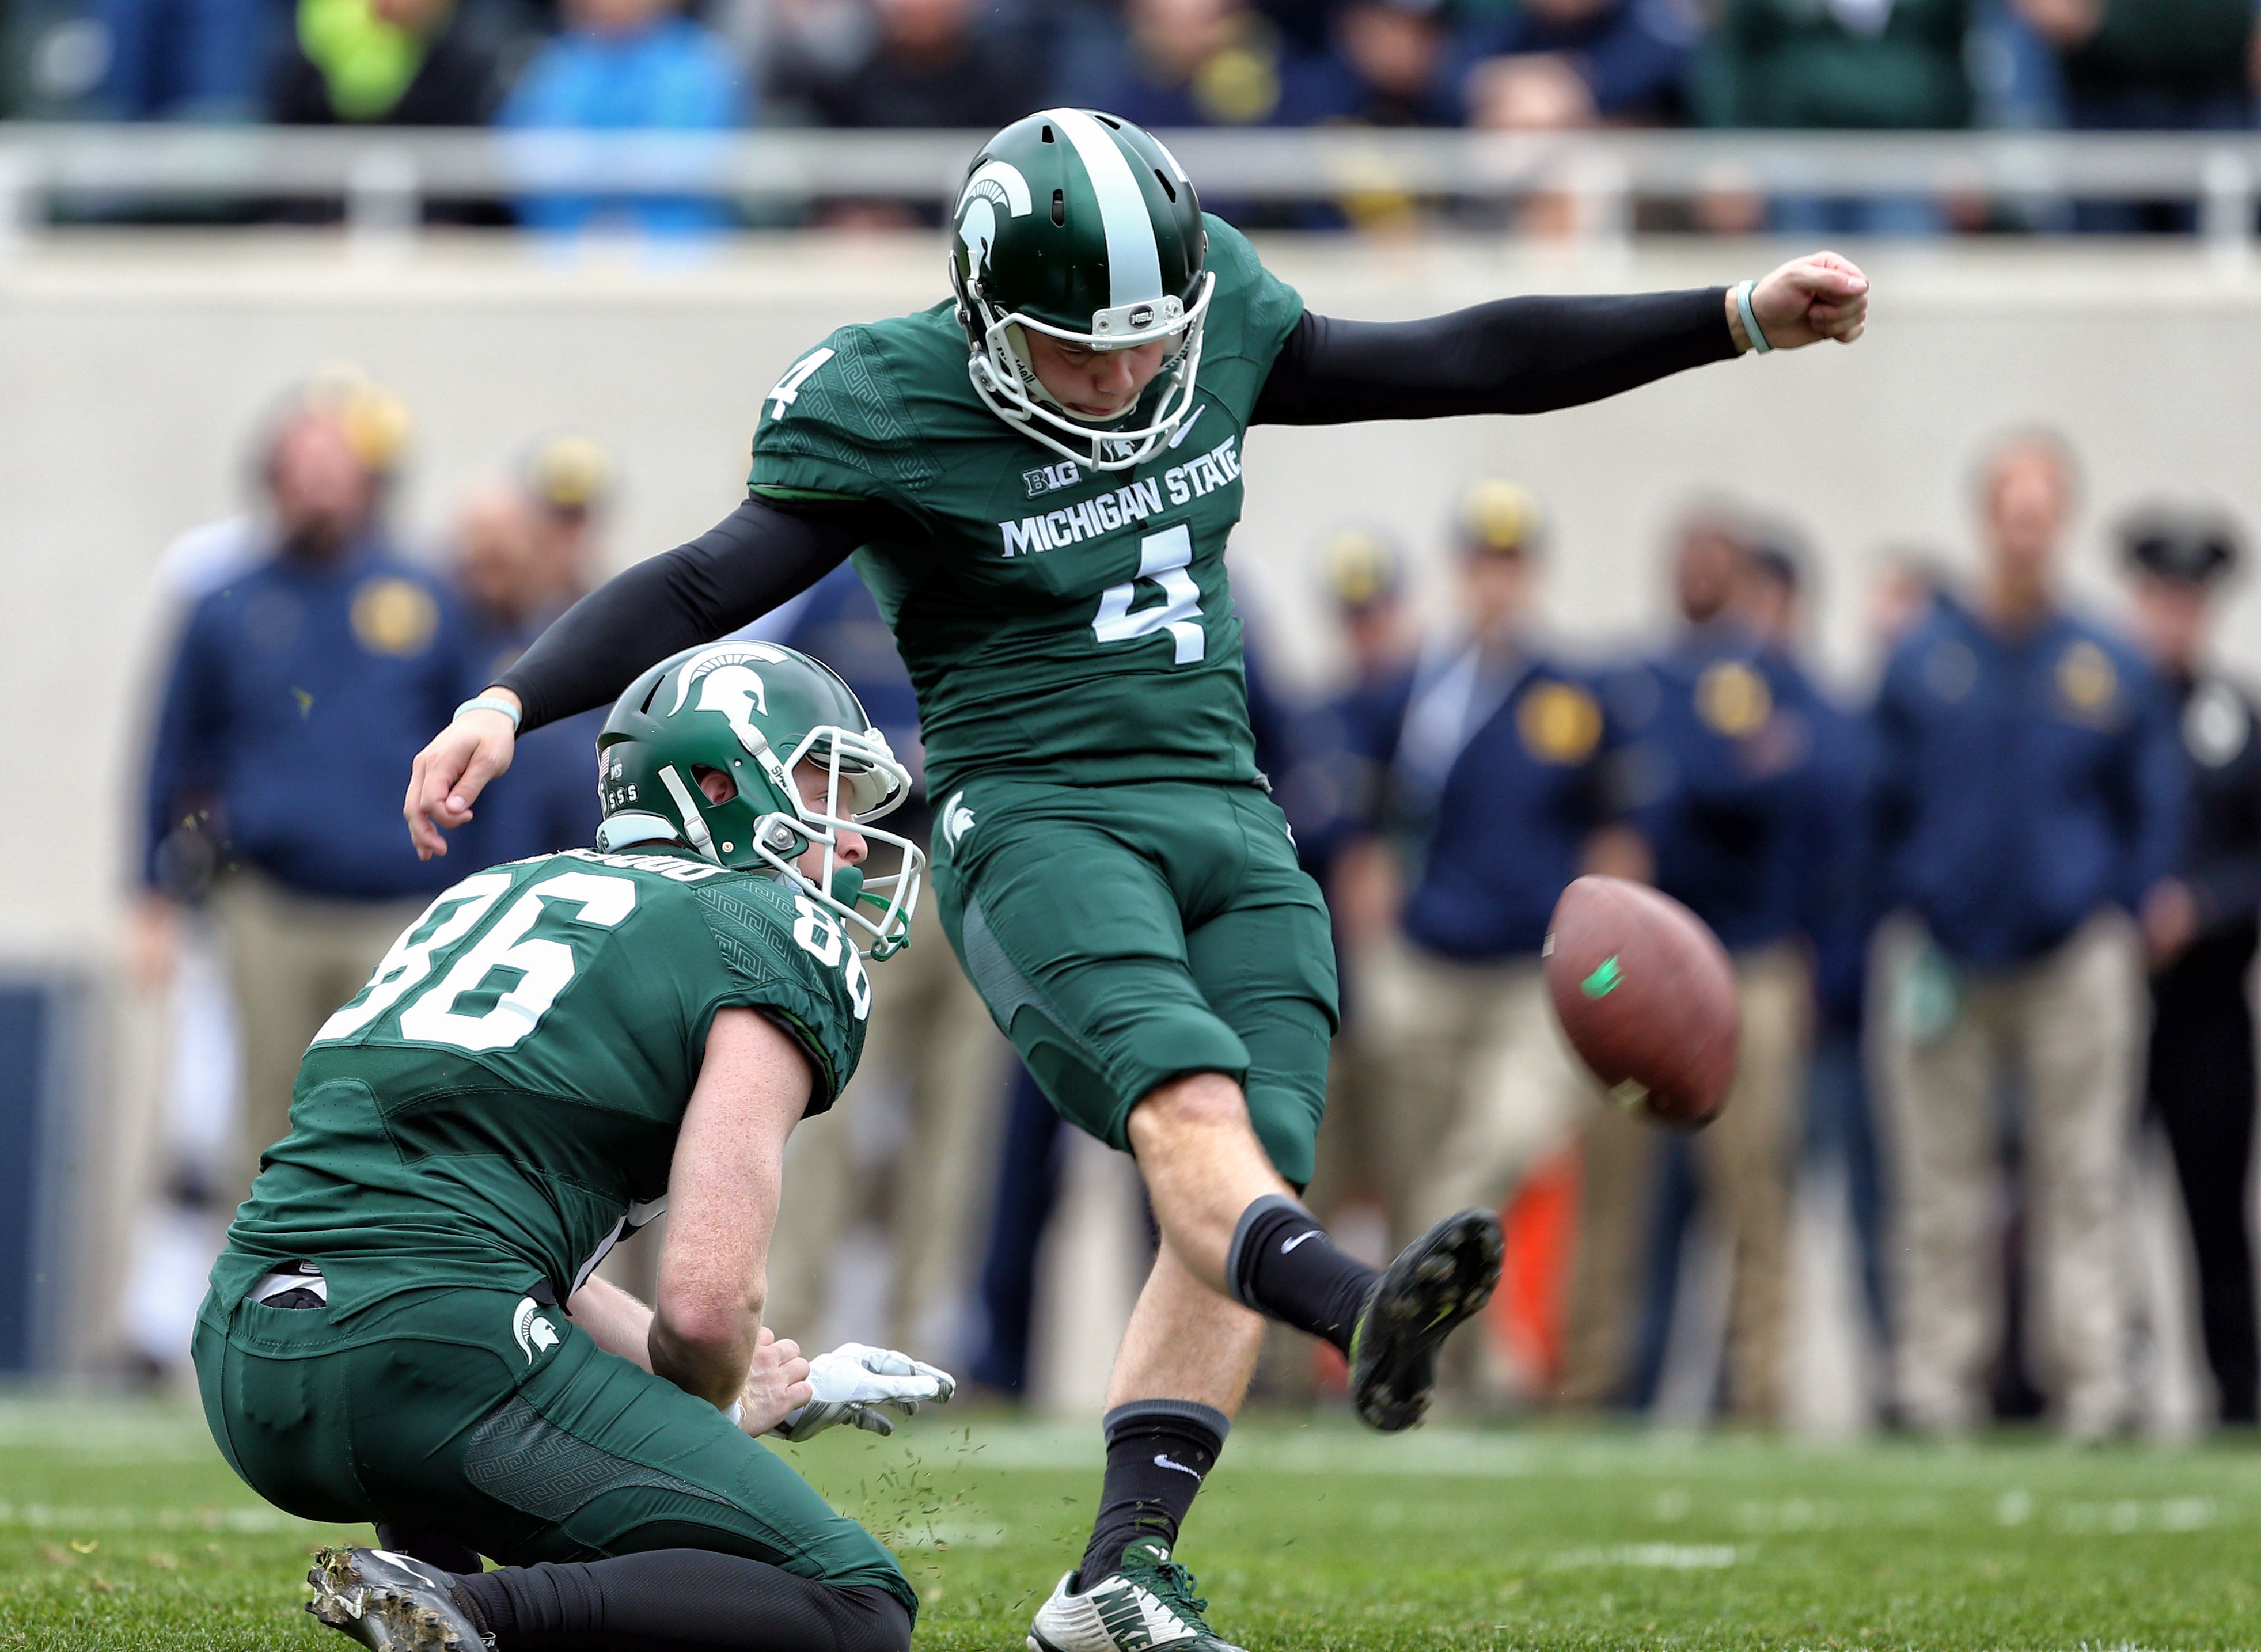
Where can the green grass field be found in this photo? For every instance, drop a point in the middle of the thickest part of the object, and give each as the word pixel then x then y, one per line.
pixel 121 1528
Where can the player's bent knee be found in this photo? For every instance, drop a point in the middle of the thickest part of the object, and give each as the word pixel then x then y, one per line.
pixel 880 1623
pixel 1209 1100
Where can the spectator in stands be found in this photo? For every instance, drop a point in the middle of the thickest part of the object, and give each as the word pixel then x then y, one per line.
pixel 927 65
pixel 183 60
pixel 2029 798
pixel 386 63
pixel 1497 793
pixel 2202 925
pixel 2141 65
pixel 294 694
pixel 1864 64
pixel 1196 63
pixel 1546 65
pixel 523 555
pixel 1718 776
pixel 930 1042
pixel 1389 64
pixel 628 65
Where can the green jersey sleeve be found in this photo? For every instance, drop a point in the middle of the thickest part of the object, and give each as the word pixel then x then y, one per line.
pixel 839 424
pixel 1250 313
pixel 784 955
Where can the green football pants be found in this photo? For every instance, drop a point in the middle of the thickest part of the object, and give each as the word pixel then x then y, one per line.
pixel 476 1416
pixel 1123 935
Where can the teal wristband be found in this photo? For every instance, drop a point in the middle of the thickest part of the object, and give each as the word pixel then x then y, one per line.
pixel 1759 344
pixel 483 703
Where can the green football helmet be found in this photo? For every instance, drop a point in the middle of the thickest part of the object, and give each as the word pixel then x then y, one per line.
pixel 755 712
pixel 1077 224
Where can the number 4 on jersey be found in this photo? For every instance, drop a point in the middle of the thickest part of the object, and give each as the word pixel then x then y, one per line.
pixel 1163 559
pixel 788 388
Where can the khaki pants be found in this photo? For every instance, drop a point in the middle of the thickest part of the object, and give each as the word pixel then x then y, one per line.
pixel 293 959
pixel 2072 1022
pixel 1483 1086
pixel 929 1034
pixel 1746 1161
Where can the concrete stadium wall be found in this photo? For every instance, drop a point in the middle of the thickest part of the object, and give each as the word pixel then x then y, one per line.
pixel 135 367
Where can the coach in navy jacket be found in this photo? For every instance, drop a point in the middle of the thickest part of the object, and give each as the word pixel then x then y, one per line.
pixel 2029 796
pixel 1720 776
pixel 295 693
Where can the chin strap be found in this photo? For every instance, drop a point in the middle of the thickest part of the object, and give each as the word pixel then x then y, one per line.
pixel 694 823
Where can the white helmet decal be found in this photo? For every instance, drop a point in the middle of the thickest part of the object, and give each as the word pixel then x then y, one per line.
pixel 999 184
pixel 730 690
pixel 709 660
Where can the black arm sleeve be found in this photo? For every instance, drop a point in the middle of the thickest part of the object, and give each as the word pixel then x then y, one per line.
pixel 1514 356
pixel 756 557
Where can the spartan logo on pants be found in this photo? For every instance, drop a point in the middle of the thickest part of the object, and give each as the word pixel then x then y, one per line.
pixel 537 1336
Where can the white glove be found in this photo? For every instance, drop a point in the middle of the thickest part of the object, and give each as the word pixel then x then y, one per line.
pixel 854 1380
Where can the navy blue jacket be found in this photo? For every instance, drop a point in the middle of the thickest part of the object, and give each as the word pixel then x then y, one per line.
pixel 297 701
pixel 1508 829
pixel 2023 783
pixel 1722 780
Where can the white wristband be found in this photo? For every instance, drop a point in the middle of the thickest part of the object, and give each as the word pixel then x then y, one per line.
pixel 488 703
pixel 736 1414
pixel 1743 290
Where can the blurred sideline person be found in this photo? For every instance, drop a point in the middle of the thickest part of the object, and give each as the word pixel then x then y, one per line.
pixel 2200 927
pixel 1495 799
pixel 174 1129
pixel 404 1328
pixel 292 689
pixel 523 553
pixel 2029 799
pixel 1716 776
pixel 931 1040
pixel 1331 796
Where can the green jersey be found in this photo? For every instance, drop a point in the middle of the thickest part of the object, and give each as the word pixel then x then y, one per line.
pixel 499 1105
pixel 1060 623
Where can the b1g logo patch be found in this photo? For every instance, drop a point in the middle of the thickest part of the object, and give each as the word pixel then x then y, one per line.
pixel 1050 479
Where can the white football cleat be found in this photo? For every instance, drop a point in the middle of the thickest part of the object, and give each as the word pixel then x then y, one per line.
pixel 1145 1604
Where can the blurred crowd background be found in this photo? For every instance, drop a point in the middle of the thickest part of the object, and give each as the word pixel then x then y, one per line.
pixel 693 65
pixel 1992 894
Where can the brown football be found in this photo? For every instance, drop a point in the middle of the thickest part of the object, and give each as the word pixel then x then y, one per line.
pixel 1647 996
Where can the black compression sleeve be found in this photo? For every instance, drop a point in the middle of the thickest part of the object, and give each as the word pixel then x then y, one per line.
pixel 761 554
pixel 1514 356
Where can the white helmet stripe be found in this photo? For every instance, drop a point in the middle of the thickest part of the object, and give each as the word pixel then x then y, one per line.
pixel 1134 262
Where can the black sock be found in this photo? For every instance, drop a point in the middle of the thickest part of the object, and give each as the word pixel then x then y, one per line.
pixel 1158 1451
pixel 1283 1264
pixel 679 1600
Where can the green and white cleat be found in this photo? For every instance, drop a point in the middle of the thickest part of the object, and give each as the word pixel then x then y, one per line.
pixel 1439 1280
pixel 1145 1605
pixel 389 1602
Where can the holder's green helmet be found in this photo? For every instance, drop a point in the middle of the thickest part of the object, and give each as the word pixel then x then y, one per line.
pixel 1074 223
pixel 755 712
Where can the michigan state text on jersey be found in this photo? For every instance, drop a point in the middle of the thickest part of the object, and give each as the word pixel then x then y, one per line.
pixel 1038 479
pixel 404 1327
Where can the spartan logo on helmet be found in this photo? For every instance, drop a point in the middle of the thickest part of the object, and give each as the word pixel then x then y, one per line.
pixel 998 184
pixel 727 684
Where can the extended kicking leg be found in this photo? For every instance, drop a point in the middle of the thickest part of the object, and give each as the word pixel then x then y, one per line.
pixel 1233 1234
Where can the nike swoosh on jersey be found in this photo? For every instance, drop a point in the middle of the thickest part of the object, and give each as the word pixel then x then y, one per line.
pixel 1187 428
pixel 1288 1245
pixel 1162 1461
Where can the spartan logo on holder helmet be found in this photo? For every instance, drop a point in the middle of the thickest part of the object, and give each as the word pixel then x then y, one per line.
pixel 726 684
pixel 709 708
pixel 1077 224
